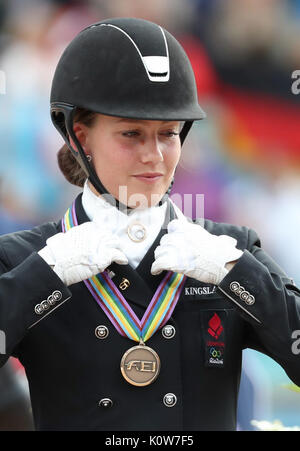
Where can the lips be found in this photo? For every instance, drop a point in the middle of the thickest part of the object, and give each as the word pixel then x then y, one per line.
pixel 149 174
pixel 148 177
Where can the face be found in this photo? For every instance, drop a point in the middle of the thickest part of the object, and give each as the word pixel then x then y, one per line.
pixel 134 159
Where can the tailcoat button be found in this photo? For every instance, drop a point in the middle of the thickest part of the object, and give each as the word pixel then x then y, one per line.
pixel 244 296
pixel 38 309
pixel 51 301
pixel 234 286
pixel 250 300
pixel 168 331
pixel 240 290
pixel 45 305
pixel 101 332
pixel 57 295
pixel 170 400
pixel 105 402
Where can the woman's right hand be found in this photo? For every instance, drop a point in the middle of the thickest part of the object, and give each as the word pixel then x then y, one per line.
pixel 82 252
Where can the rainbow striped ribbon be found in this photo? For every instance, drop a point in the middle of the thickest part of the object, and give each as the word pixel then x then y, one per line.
pixel 117 309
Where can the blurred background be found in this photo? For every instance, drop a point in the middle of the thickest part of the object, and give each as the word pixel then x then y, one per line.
pixel 244 158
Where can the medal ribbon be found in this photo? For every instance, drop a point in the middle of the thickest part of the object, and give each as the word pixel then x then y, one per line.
pixel 117 309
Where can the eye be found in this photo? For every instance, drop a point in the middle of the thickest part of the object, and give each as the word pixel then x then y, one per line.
pixel 170 133
pixel 130 133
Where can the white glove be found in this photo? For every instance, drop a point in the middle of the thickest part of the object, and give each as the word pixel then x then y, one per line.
pixel 191 250
pixel 82 252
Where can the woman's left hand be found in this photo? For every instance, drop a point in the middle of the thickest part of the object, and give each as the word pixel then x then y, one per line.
pixel 189 249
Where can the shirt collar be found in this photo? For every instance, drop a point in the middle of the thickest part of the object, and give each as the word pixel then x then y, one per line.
pixel 98 209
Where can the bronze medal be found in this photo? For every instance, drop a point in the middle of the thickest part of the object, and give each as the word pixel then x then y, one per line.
pixel 140 365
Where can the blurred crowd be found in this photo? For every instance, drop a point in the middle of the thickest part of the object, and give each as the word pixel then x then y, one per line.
pixel 244 158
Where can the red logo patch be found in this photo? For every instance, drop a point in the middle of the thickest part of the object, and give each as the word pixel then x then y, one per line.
pixel 215 327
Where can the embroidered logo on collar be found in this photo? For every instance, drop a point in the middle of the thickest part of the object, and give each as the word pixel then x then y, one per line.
pixel 192 291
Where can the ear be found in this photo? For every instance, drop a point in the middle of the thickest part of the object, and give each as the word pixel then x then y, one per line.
pixel 81 132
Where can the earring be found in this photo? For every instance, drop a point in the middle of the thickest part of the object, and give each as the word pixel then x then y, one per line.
pixel 89 158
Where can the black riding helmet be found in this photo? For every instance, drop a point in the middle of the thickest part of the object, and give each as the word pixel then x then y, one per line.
pixel 123 67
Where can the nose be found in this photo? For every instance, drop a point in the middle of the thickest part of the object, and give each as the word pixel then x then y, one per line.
pixel 151 150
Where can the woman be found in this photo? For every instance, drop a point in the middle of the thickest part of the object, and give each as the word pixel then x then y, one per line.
pixel 125 314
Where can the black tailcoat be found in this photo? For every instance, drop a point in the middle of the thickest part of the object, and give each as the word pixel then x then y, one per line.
pixel 70 370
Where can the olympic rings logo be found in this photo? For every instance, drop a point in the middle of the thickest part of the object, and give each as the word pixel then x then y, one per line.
pixel 215 353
